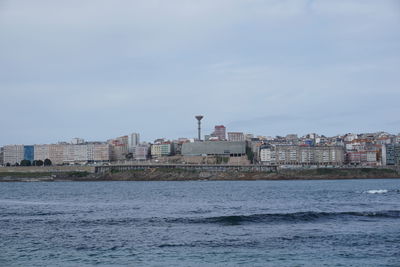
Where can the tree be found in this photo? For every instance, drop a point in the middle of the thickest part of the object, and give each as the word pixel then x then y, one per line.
pixel 250 154
pixel 25 162
pixel 47 162
pixel 38 162
pixel 8 164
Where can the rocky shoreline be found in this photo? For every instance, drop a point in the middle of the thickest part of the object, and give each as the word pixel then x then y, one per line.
pixel 185 175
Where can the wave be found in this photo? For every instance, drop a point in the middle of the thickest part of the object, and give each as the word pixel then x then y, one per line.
pixel 307 216
pixel 226 220
pixel 31 214
pixel 376 191
pixel 381 191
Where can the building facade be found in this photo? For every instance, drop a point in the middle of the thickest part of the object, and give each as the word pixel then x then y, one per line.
pixel 161 150
pixel 13 154
pixel 133 141
pixel 236 137
pixel 1 156
pixel 214 148
pixel 29 153
pixel 220 132
pixel 70 154
pixel 119 148
pixel 391 154
pixel 301 155
pixel 141 152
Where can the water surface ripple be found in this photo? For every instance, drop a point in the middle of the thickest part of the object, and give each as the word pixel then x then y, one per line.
pixel 201 223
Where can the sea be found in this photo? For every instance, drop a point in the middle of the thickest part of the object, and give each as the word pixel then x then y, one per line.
pixel 201 223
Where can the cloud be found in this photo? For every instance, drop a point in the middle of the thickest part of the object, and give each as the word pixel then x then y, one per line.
pixel 101 68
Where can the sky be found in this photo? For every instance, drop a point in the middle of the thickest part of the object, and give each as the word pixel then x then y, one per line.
pixel 100 69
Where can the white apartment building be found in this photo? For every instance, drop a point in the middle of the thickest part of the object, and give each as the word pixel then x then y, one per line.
pixel 235 137
pixel 67 153
pixel 42 152
pixel 13 154
pixel 304 155
pixel 133 141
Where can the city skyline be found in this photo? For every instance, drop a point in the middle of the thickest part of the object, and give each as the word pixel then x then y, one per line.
pixel 99 69
pixel 207 134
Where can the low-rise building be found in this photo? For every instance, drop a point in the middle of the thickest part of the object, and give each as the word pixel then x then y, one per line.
pixel 214 148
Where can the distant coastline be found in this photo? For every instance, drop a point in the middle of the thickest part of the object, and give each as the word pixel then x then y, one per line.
pixel 161 174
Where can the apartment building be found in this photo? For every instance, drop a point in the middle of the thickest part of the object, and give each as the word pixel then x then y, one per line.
pixel 13 154
pixel 161 150
pixel 235 137
pixel 301 155
pixel 391 154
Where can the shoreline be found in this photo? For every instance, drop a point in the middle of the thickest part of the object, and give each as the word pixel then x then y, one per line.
pixel 160 174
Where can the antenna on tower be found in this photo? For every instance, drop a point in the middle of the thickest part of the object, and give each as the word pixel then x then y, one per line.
pixel 198 118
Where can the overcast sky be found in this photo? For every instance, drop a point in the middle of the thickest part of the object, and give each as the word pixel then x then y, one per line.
pixel 102 69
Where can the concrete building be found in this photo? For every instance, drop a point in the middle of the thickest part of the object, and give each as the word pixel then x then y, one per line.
pixel 118 152
pixel 236 137
pixel 162 150
pixel 58 153
pixel 301 155
pixel 41 152
pixel 13 154
pixel 220 132
pixel 133 141
pixel 99 152
pixel 77 141
pixel 119 148
pixel 391 154
pixel 268 154
pixel 214 148
pixel 1 156
pixel 397 139
pixel 73 154
pixel 363 158
pixel 141 152
pixel 69 154
pixel 292 137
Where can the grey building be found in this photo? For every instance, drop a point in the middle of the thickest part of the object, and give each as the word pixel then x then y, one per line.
pixel 214 148
pixel 391 154
pixel 1 157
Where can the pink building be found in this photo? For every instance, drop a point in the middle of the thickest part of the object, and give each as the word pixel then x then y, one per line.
pixel 220 132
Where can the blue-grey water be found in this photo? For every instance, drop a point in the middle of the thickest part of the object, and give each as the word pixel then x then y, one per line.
pixel 201 223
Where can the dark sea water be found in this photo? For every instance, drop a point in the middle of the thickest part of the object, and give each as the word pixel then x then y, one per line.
pixel 201 223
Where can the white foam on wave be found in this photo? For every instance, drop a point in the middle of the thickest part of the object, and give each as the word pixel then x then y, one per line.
pixel 377 191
